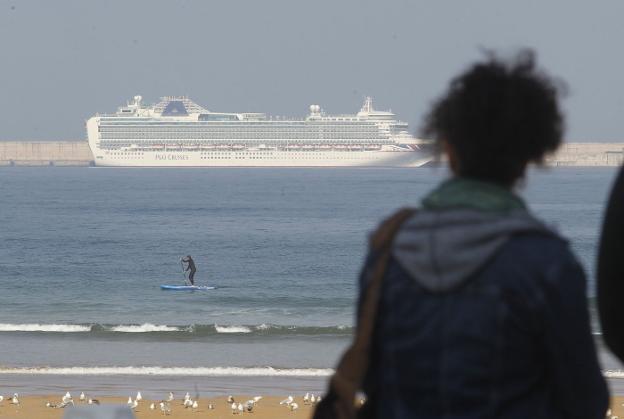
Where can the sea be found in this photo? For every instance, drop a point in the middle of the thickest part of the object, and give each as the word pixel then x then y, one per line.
pixel 83 252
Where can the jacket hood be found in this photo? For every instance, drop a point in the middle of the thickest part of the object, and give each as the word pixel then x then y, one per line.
pixel 442 249
pixel 462 225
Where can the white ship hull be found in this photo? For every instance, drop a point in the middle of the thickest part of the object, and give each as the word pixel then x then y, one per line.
pixel 177 132
pixel 273 158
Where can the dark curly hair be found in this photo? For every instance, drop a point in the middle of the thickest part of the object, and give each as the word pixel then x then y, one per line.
pixel 498 116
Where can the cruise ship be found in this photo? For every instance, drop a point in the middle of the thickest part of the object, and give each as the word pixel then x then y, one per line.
pixel 177 132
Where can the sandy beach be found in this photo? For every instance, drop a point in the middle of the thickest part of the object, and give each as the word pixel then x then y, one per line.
pixel 34 407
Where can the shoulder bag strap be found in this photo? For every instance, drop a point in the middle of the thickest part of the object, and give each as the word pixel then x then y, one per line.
pixel 352 368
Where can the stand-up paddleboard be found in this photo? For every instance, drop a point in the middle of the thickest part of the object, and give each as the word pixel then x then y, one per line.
pixel 185 288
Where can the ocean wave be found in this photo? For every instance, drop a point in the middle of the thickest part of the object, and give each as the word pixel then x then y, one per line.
pixel 194 330
pixel 145 328
pixel 613 373
pixel 175 371
pixel 36 327
pixel 232 329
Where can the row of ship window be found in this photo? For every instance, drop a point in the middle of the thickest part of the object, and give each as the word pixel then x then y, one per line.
pixel 126 142
pixel 240 137
pixel 220 129
pixel 252 133
pixel 290 156
pixel 245 153
pixel 240 131
pixel 226 147
pixel 228 155
pixel 236 124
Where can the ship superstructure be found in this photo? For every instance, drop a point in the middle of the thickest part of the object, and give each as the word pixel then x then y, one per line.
pixel 178 132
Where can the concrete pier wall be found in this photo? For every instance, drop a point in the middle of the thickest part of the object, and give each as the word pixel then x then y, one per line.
pixel 45 153
pixel 77 153
pixel 588 154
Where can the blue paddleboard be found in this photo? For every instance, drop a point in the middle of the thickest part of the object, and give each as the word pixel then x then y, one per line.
pixel 185 288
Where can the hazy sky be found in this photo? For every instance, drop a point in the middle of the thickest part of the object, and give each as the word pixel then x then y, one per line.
pixel 63 61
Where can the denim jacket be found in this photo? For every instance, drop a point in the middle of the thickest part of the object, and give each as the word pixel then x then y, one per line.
pixel 483 314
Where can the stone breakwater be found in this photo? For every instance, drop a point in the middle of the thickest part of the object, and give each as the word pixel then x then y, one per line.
pixel 45 153
pixel 77 153
pixel 588 154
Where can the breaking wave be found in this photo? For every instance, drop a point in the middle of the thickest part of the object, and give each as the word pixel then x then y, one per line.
pixel 175 371
pixel 232 329
pixel 36 327
pixel 196 330
pixel 144 328
pixel 614 373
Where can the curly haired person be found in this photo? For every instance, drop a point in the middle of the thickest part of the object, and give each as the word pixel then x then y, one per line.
pixel 483 309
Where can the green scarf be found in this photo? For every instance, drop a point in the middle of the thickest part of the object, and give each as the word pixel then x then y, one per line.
pixel 470 193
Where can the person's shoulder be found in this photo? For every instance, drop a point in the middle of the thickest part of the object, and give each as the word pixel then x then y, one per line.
pixel 542 242
pixel 548 253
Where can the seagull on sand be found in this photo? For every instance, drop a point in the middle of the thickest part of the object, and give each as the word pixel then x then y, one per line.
pixel 312 399
pixel 234 408
pixel 230 399
pixel 65 404
pixel 1 399
pixel 139 397
pixel 130 400
pixel 249 406
pixel 241 409
pixel 287 401
pixel 210 406
pixel 188 403
pixel 257 399
pixel 93 401
pixel 165 408
pixel 195 405
pixel 82 397
pixel 294 406
pixel 152 406
pixel 15 400
pixel 306 398
pixel 66 398
pixel 170 399
pixel 134 404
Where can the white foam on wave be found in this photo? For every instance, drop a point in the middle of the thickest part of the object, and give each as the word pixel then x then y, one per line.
pixel 232 329
pixel 36 327
pixel 613 373
pixel 174 371
pixel 145 328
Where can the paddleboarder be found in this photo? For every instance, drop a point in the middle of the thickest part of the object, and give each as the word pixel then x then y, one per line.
pixel 190 267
